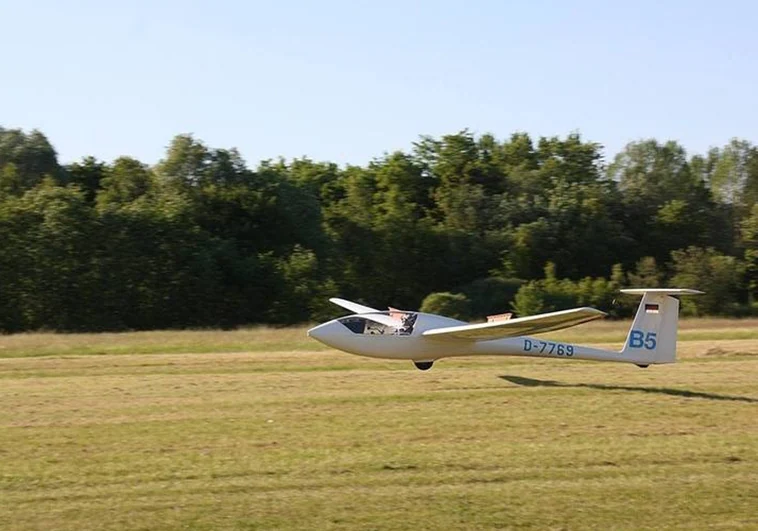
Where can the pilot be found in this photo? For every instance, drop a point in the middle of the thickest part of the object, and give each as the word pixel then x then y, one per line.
pixel 409 319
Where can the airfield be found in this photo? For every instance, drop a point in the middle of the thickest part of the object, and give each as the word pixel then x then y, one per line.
pixel 266 429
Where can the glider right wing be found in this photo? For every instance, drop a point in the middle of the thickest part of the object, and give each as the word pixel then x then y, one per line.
pixel 522 326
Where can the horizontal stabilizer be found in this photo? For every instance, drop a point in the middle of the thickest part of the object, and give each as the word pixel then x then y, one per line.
pixel 533 324
pixel 662 291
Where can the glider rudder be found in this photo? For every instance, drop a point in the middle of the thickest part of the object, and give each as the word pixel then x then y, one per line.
pixel 652 337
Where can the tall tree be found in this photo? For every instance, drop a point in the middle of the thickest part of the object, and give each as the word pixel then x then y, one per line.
pixel 31 154
pixel 125 181
pixel 661 196
pixel 87 175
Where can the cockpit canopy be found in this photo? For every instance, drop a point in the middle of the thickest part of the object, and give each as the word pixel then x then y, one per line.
pixel 383 323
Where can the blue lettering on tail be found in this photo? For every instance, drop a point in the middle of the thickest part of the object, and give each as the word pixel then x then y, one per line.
pixel 636 339
pixel 639 339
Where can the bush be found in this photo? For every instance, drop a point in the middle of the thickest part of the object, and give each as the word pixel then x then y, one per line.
pixel 551 293
pixel 716 274
pixel 455 305
pixel 529 300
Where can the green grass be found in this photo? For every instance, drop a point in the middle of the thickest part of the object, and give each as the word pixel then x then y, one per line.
pixel 293 437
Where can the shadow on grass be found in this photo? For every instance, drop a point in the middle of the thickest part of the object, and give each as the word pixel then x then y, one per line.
pixel 531 382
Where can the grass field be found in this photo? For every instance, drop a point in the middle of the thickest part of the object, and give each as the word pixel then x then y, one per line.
pixel 265 429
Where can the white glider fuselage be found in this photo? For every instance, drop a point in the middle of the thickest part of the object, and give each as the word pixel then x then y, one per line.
pixel 424 338
pixel 417 347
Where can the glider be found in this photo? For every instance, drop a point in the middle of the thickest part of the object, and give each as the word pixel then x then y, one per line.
pixel 424 338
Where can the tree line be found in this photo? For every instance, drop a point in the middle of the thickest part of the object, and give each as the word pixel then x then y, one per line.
pixel 464 224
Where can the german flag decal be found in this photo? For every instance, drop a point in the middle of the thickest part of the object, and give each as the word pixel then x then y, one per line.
pixel 651 308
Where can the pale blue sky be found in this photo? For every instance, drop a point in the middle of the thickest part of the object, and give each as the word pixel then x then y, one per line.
pixel 346 81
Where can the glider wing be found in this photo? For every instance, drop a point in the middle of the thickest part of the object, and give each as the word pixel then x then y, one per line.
pixel 382 319
pixel 522 326
pixel 353 306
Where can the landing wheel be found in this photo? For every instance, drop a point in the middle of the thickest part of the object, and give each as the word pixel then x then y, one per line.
pixel 423 365
pixel 643 366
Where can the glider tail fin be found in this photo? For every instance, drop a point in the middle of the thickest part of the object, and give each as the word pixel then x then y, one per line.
pixel 652 337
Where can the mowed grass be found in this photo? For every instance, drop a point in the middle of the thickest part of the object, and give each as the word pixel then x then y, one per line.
pixel 263 429
pixel 259 339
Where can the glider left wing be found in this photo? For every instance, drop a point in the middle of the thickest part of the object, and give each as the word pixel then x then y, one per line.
pixel 353 306
pixel 522 326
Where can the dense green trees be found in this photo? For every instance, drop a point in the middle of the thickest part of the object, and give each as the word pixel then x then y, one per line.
pixel 203 239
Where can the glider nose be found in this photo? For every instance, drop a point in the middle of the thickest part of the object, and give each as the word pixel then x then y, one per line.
pixel 313 332
pixel 323 332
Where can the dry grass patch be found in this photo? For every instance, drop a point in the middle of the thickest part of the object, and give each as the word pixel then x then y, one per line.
pixel 266 339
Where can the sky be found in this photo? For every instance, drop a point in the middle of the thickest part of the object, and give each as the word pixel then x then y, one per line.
pixel 347 81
